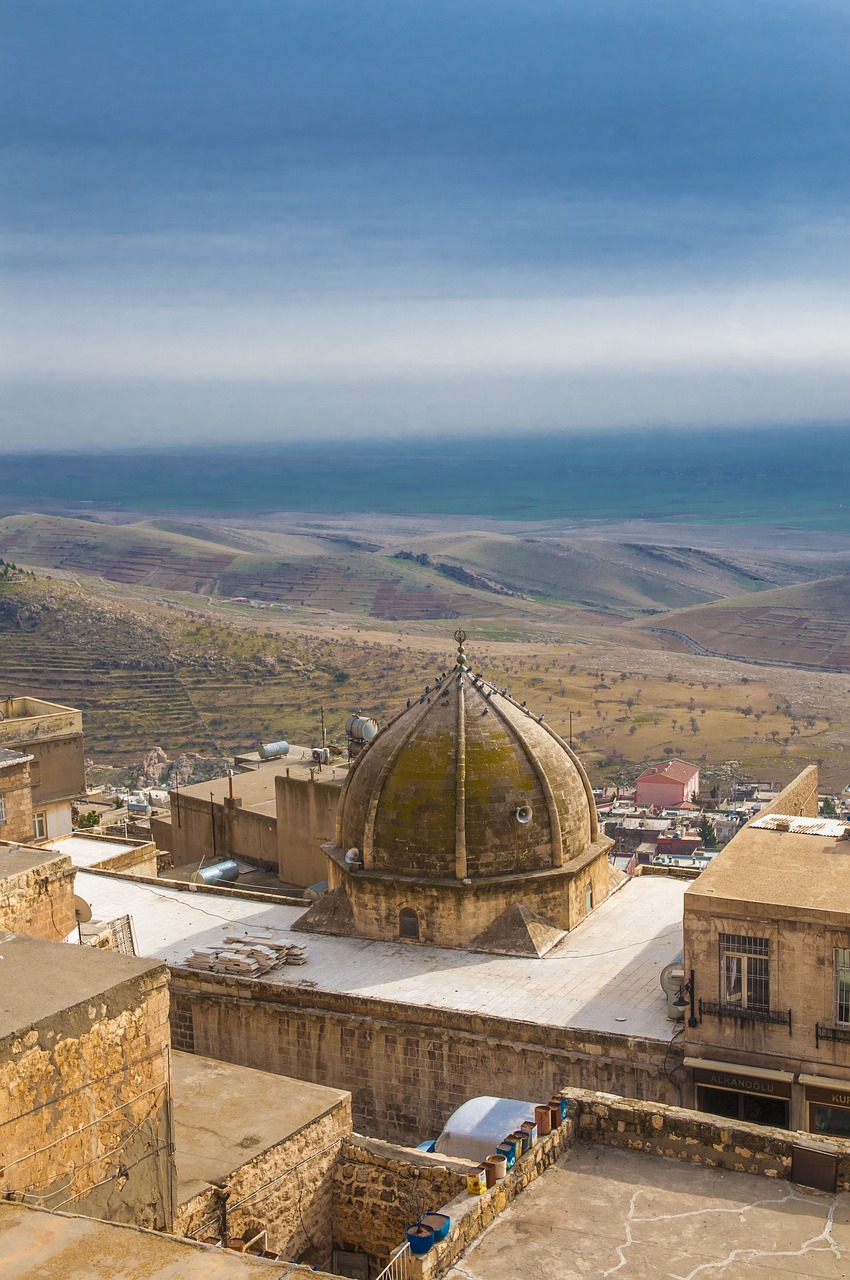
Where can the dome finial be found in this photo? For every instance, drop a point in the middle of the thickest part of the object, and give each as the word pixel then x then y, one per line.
pixel 460 665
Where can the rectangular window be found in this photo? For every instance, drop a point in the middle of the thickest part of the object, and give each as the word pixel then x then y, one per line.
pixel 842 985
pixel 2 810
pixel 39 826
pixel 745 971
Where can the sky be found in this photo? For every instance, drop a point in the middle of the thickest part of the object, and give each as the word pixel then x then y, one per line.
pixel 286 218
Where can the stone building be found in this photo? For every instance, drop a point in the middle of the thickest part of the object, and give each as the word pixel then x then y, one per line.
pixel 53 736
pixel 15 795
pixel 85 1089
pixel 467 822
pixel 767 951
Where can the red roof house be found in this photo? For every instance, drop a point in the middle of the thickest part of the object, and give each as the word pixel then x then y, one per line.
pixel 671 783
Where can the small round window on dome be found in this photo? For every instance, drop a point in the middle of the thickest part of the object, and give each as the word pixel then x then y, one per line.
pixel 408 924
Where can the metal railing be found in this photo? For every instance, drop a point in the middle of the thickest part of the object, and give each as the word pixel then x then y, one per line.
pixel 840 1034
pixel 717 1009
pixel 398 1267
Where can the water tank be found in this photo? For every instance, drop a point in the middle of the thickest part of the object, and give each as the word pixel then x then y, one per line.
pixel 225 872
pixel 361 728
pixel 273 750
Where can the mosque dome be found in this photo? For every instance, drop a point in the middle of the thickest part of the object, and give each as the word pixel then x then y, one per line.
pixel 466 783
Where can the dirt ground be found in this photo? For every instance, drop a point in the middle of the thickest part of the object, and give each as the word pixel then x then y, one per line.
pixel 600 1213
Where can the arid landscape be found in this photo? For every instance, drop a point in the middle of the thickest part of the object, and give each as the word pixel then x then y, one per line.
pixel 208 637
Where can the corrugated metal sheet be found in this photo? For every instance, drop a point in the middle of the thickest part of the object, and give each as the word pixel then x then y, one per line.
pixel 829 827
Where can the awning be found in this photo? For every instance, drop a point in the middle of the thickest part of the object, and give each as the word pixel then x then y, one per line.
pixel 824 1082
pixel 741 1069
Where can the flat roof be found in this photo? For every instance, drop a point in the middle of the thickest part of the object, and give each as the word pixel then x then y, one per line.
pixel 9 758
pixel 225 1115
pixel 603 977
pixel 637 1216
pixel 39 979
pixel 34 1242
pixel 256 787
pixel 85 851
pixel 788 871
pixel 17 859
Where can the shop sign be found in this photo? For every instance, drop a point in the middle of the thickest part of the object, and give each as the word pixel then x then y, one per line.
pixel 833 1097
pixel 740 1082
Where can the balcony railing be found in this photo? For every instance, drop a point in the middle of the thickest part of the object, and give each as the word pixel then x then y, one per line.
pixel 398 1267
pixel 840 1034
pixel 717 1009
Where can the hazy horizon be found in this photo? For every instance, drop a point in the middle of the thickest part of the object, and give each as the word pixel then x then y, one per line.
pixel 398 220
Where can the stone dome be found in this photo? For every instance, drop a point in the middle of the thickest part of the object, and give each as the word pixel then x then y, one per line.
pixel 466 783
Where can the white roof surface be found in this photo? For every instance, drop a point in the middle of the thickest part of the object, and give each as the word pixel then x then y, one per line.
pixel 603 977
pixel 85 851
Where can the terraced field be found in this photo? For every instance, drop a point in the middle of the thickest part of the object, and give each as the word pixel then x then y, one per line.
pixel 807 625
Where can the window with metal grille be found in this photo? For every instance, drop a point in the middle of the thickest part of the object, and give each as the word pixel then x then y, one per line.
pixel 745 971
pixel 842 985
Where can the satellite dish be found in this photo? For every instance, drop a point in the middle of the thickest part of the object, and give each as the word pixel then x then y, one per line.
pixel 82 910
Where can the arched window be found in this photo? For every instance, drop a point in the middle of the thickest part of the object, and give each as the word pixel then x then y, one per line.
pixel 588 897
pixel 408 924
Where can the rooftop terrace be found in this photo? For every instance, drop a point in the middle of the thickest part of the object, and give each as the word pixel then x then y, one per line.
pixel 603 977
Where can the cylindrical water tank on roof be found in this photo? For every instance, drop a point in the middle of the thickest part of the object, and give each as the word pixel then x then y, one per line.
pixel 271 750
pixel 362 728
pixel 224 872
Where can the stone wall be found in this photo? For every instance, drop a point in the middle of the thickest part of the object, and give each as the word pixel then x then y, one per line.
pixel 286 1190
pixel 799 798
pixel 407 1068
pixel 84 1097
pixel 37 900
pixel 380 1188
pixel 695 1137
pixel 16 797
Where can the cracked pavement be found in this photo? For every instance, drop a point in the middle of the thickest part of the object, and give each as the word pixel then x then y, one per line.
pixel 602 1213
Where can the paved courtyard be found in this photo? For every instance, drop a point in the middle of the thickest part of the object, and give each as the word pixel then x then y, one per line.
pixel 603 977
pixel 601 1213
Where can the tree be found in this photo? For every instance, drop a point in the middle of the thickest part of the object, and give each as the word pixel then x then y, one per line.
pixel 828 808
pixel 708 832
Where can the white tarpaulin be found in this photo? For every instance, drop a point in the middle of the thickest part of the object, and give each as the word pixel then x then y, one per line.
pixel 475 1130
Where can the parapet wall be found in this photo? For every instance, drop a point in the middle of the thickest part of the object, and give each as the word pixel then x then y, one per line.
pixel 799 799
pixel 695 1137
pixel 38 900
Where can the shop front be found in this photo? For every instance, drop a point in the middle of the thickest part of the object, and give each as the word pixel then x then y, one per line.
pixel 827 1106
pixel 758 1096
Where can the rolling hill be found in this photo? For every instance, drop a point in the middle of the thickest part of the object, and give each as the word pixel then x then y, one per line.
pixel 806 625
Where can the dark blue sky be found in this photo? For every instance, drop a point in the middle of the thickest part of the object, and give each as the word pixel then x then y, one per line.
pixel 271 218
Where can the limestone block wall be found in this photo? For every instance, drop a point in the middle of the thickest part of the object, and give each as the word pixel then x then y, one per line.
pixel 799 798
pixel 407 1067
pixel 380 1188
pixel 85 1105
pixel 39 901
pixel 16 794
pixel 286 1190
pixel 695 1137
